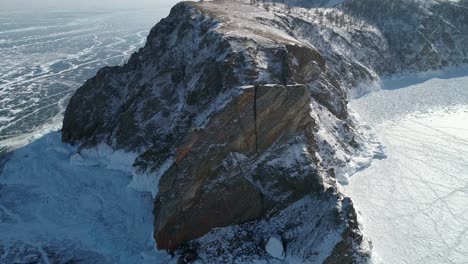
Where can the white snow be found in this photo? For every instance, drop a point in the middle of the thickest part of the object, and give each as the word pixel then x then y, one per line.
pixel 414 204
pixel 60 203
pixel 105 156
pixel 274 247
pixel 149 182
pixel 345 161
pixel 292 156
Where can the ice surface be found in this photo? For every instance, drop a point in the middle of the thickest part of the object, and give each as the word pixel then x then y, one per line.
pixel 414 204
pixel 47 55
pixel 55 209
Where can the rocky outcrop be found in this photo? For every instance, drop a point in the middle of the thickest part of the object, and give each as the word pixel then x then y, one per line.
pixel 215 181
pixel 238 114
pixel 305 228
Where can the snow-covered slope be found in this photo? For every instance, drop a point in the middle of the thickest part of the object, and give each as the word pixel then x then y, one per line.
pixel 413 204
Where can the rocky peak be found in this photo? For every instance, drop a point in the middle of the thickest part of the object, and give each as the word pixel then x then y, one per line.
pixel 238 116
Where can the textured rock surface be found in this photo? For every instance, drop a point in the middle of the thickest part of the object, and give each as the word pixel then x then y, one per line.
pixel 214 183
pixel 237 115
pixel 309 229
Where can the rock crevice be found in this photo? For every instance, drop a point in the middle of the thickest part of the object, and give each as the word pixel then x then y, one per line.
pixel 255 118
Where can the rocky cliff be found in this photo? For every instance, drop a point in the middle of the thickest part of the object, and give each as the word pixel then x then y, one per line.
pixel 237 115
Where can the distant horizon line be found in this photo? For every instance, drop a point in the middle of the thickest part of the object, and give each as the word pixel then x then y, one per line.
pixel 89 9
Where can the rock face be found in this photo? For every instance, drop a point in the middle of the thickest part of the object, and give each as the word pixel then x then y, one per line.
pixel 238 116
pixel 214 181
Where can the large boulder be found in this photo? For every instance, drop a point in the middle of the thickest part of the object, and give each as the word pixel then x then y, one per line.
pixel 216 179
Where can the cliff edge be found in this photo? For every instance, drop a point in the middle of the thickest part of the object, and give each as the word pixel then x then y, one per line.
pixel 238 117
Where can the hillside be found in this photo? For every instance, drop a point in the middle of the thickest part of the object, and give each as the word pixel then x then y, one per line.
pixel 237 117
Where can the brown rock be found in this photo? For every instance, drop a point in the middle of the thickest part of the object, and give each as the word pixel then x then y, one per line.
pixel 208 185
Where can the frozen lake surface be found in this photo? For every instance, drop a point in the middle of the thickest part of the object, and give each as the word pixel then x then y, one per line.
pixel 46 56
pixel 414 204
pixel 60 207
pixel 56 206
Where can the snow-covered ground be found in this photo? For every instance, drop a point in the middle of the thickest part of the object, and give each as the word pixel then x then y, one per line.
pixel 57 207
pixel 414 204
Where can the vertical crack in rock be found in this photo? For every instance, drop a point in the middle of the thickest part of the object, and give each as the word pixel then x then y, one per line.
pixel 255 117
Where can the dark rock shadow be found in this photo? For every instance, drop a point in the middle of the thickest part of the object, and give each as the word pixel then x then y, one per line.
pixel 5 155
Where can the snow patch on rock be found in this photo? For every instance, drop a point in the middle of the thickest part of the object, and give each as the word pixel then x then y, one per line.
pixel 149 182
pixel 275 248
pixel 106 156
